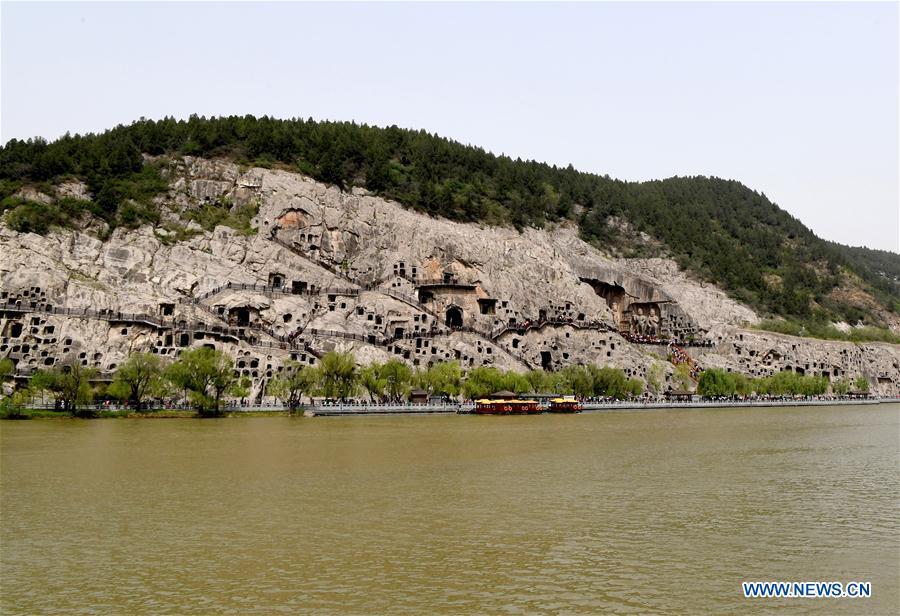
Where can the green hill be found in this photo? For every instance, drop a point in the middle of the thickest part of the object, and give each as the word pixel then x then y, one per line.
pixel 719 229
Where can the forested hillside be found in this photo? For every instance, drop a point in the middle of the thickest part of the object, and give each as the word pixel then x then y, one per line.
pixel 719 229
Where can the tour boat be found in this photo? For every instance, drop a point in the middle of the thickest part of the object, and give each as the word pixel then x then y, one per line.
pixel 565 405
pixel 507 407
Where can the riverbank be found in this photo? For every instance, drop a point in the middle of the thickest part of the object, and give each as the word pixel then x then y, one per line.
pixel 370 410
pixel 468 409
pixel 149 414
pixel 588 408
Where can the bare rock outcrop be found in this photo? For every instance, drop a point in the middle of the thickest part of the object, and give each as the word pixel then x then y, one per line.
pixel 334 270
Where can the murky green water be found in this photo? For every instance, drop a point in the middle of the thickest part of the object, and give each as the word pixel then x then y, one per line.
pixel 627 512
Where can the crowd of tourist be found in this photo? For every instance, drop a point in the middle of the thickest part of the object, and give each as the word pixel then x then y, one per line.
pixel 679 356
pixel 521 327
pixel 645 339
pixel 653 339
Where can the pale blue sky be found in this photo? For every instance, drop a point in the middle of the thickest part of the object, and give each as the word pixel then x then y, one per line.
pixel 799 101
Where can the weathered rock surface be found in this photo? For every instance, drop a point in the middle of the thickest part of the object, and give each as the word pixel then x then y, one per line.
pixel 331 270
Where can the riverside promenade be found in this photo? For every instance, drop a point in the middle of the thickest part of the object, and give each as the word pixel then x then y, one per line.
pixel 467 408
pixel 345 410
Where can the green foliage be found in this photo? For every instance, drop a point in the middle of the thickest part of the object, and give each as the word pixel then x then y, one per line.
pixel 682 377
pixel 719 229
pixel 14 406
pixel 293 382
pixel 541 381
pixel 338 376
pixel 136 379
pixel 112 166
pixel 31 217
pixel 242 388
pixel 826 331
pixel 576 380
pixel 583 381
pixel 656 374
pixel 515 382
pixel 612 383
pixel 715 382
pixel 206 375
pixel 743 386
pixel 862 384
pixel 383 382
pixel 841 386
pixel 209 216
pixel 879 268
pixel 482 381
pixel 370 379
pixel 442 379
pixel 788 383
pixel 7 368
pixel 175 233
pixel 397 377
pixel 69 383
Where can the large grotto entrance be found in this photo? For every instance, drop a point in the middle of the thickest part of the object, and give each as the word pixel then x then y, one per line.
pixel 454 317
pixel 239 316
pixel 614 294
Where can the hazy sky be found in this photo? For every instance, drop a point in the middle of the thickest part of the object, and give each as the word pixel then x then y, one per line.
pixel 799 101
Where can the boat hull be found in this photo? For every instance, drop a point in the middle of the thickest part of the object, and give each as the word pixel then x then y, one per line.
pixel 508 408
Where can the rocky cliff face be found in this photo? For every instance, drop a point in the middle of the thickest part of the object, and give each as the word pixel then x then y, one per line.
pixel 330 270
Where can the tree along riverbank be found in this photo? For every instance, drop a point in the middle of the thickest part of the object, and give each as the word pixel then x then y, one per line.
pixel 207 381
pixel 357 410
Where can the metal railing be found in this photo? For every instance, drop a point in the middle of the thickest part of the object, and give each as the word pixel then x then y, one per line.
pixel 270 290
pixel 521 328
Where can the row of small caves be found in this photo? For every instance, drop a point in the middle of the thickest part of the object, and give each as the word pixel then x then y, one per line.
pixel 454 298
pixel 44 348
pixel 32 341
pixel 446 294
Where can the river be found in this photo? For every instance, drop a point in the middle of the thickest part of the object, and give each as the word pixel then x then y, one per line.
pixel 616 512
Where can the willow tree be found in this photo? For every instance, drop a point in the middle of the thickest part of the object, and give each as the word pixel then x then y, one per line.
pixel 70 385
pixel 293 382
pixel 338 375
pixel 137 378
pixel 371 380
pixel 397 377
pixel 206 375
pixel 442 378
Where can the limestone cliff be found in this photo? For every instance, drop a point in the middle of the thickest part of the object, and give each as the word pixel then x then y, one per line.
pixel 331 270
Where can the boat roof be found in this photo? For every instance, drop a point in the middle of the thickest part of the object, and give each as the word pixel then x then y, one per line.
pixel 504 393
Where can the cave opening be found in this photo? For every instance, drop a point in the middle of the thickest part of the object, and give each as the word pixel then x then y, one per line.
pixel 454 317
pixel 546 360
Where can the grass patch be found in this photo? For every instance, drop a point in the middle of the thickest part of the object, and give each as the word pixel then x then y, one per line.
pixel 176 233
pixel 209 216
pixel 826 331
pixel 92 282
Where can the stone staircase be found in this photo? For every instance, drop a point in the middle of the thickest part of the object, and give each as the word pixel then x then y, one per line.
pixel 678 356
